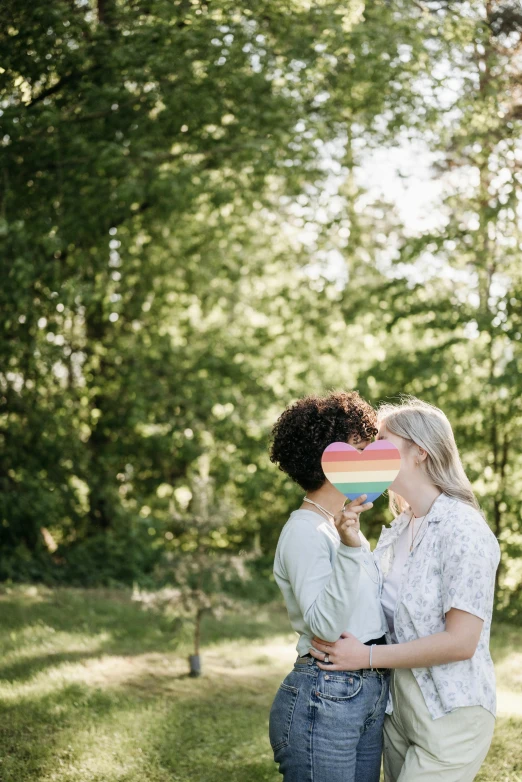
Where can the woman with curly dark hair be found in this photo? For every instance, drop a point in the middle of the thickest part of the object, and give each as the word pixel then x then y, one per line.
pixel 325 726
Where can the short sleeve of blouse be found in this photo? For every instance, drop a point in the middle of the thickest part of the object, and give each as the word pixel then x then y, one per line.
pixel 470 559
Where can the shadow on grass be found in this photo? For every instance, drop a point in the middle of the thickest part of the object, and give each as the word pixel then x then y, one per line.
pixel 126 623
pixel 109 624
pixel 24 669
pixel 229 723
pixel 249 623
pixel 184 724
pixel 30 728
pixel 505 640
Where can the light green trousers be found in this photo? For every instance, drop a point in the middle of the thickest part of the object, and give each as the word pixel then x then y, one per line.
pixel 418 748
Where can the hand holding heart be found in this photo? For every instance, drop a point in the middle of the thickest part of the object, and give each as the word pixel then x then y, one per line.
pixel 347 521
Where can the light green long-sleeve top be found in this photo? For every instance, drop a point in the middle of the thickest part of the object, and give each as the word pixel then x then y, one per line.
pixel 328 587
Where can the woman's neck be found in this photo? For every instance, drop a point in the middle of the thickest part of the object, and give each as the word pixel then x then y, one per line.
pixel 328 497
pixel 421 498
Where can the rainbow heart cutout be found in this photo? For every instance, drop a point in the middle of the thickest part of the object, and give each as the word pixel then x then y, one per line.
pixel 354 472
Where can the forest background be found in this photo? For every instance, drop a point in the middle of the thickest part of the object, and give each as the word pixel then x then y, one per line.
pixel 209 209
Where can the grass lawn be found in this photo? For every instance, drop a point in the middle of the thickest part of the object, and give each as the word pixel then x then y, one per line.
pixel 94 688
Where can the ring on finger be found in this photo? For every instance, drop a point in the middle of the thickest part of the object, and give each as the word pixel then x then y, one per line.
pixel 326 658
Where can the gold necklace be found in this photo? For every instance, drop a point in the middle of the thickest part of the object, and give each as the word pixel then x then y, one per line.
pixel 329 516
pixel 414 537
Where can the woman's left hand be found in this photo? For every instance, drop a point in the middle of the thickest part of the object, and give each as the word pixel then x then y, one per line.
pixel 346 654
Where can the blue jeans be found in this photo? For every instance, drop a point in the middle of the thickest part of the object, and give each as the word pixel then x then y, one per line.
pixel 327 727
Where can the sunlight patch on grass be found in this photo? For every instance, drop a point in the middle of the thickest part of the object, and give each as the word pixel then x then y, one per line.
pixel 154 673
pixel 509 673
pixel 112 749
pixel 509 703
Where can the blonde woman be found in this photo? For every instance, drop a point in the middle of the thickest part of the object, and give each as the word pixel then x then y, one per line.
pixel 437 565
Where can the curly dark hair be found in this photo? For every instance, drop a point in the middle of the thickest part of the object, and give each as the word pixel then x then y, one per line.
pixel 307 427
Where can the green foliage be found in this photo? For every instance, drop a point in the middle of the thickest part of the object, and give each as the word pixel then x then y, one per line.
pixel 154 303
pixel 187 246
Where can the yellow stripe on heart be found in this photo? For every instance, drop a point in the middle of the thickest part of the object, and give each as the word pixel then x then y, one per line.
pixel 366 476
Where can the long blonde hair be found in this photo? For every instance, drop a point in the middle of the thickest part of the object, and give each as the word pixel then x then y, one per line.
pixel 426 426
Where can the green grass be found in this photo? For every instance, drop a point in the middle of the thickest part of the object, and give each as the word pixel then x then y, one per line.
pixel 94 688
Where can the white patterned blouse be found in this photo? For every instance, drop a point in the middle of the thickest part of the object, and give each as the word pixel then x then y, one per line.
pixel 452 565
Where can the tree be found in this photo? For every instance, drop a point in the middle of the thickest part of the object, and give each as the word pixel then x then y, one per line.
pixel 204 564
pixel 454 338
pixel 135 136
